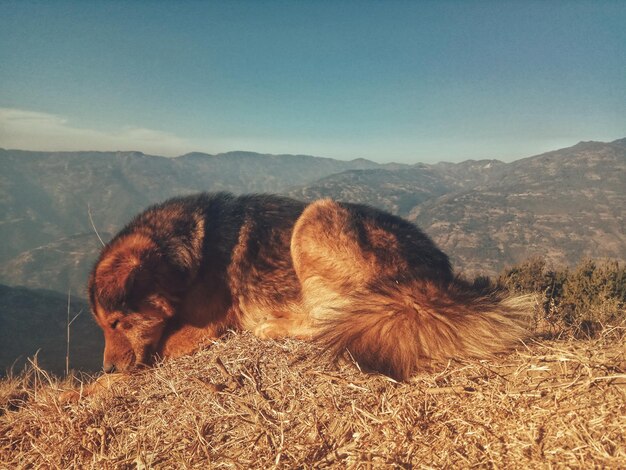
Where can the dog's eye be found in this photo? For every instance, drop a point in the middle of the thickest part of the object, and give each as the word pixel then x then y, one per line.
pixel 114 324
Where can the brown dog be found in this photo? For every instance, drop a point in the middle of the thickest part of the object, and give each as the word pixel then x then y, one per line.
pixel 349 276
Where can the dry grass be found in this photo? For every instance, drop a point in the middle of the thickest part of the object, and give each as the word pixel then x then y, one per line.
pixel 246 403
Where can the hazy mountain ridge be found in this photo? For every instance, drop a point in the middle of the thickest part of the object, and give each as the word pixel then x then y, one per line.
pixel 561 205
pixel 485 213
pixel 60 264
pixel 396 191
pixel 46 195
pixel 400 188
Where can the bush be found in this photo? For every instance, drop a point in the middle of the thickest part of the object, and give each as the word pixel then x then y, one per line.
pixel 580 301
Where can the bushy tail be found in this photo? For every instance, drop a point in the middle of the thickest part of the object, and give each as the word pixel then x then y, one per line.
pixel 398 330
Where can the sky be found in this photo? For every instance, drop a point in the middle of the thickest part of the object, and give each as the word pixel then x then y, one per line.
pixel 401 81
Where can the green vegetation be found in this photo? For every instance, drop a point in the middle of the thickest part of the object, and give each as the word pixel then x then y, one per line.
pixel 579 301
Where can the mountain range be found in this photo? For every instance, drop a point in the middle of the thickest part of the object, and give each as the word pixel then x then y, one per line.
pixel 486 214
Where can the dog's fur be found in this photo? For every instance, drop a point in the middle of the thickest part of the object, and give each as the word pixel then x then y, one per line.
pixel 354 278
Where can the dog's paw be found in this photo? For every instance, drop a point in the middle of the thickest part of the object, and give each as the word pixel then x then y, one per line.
pixel 271 329
pixel 101 384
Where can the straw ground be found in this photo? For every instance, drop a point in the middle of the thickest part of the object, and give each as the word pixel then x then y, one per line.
pixel 246 403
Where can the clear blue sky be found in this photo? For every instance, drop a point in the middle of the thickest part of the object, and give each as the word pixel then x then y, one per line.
pixel 389 81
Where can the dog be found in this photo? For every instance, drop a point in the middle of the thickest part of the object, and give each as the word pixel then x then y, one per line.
pixel 353 278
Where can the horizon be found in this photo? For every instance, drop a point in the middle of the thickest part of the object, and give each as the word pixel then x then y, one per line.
pixel 409 163
pixel 384 81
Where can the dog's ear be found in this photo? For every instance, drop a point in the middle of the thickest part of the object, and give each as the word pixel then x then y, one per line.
pixel 125 271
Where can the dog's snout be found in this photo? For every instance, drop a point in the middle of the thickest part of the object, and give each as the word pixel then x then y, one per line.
pixel 108 367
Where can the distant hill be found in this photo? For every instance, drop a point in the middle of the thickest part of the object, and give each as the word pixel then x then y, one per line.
pixel 46 198
pixel 561 205
pixel 402 187
pixel 45 195
pixel 59 264
pixel 393 190
pixel 36 320
pixel 486 214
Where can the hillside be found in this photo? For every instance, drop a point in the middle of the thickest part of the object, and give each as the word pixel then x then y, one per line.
pixel 401 188
pixel 246 403
pixel 62 262
pixel 35 321
pixel 46 199
pixel 486 214
pixel 396 191
pixel 562 206
pixel 46 195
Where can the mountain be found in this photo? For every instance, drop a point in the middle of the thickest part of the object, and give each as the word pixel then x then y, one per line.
pixel 393 190
pixel 59 265
pixel 47 199
pixel 485 213
pixel 399 188
pixel 35 322
pixel 46 195
pixel 561 205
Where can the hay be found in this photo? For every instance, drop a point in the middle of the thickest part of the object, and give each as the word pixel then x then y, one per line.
pixel 246 403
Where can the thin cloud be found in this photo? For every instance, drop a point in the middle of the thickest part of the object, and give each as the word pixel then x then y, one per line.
pixel 33 130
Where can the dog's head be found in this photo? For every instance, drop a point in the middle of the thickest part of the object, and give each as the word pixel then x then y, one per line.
pixel 132 291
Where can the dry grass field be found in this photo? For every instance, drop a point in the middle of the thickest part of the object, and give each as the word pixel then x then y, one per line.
pixel 246 403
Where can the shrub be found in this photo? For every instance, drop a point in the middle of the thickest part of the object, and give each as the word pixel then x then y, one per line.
pixel 580 300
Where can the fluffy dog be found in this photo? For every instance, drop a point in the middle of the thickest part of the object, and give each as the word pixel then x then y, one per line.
pixel 349 276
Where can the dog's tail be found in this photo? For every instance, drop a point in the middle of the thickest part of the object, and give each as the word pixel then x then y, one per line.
pixel 398 330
